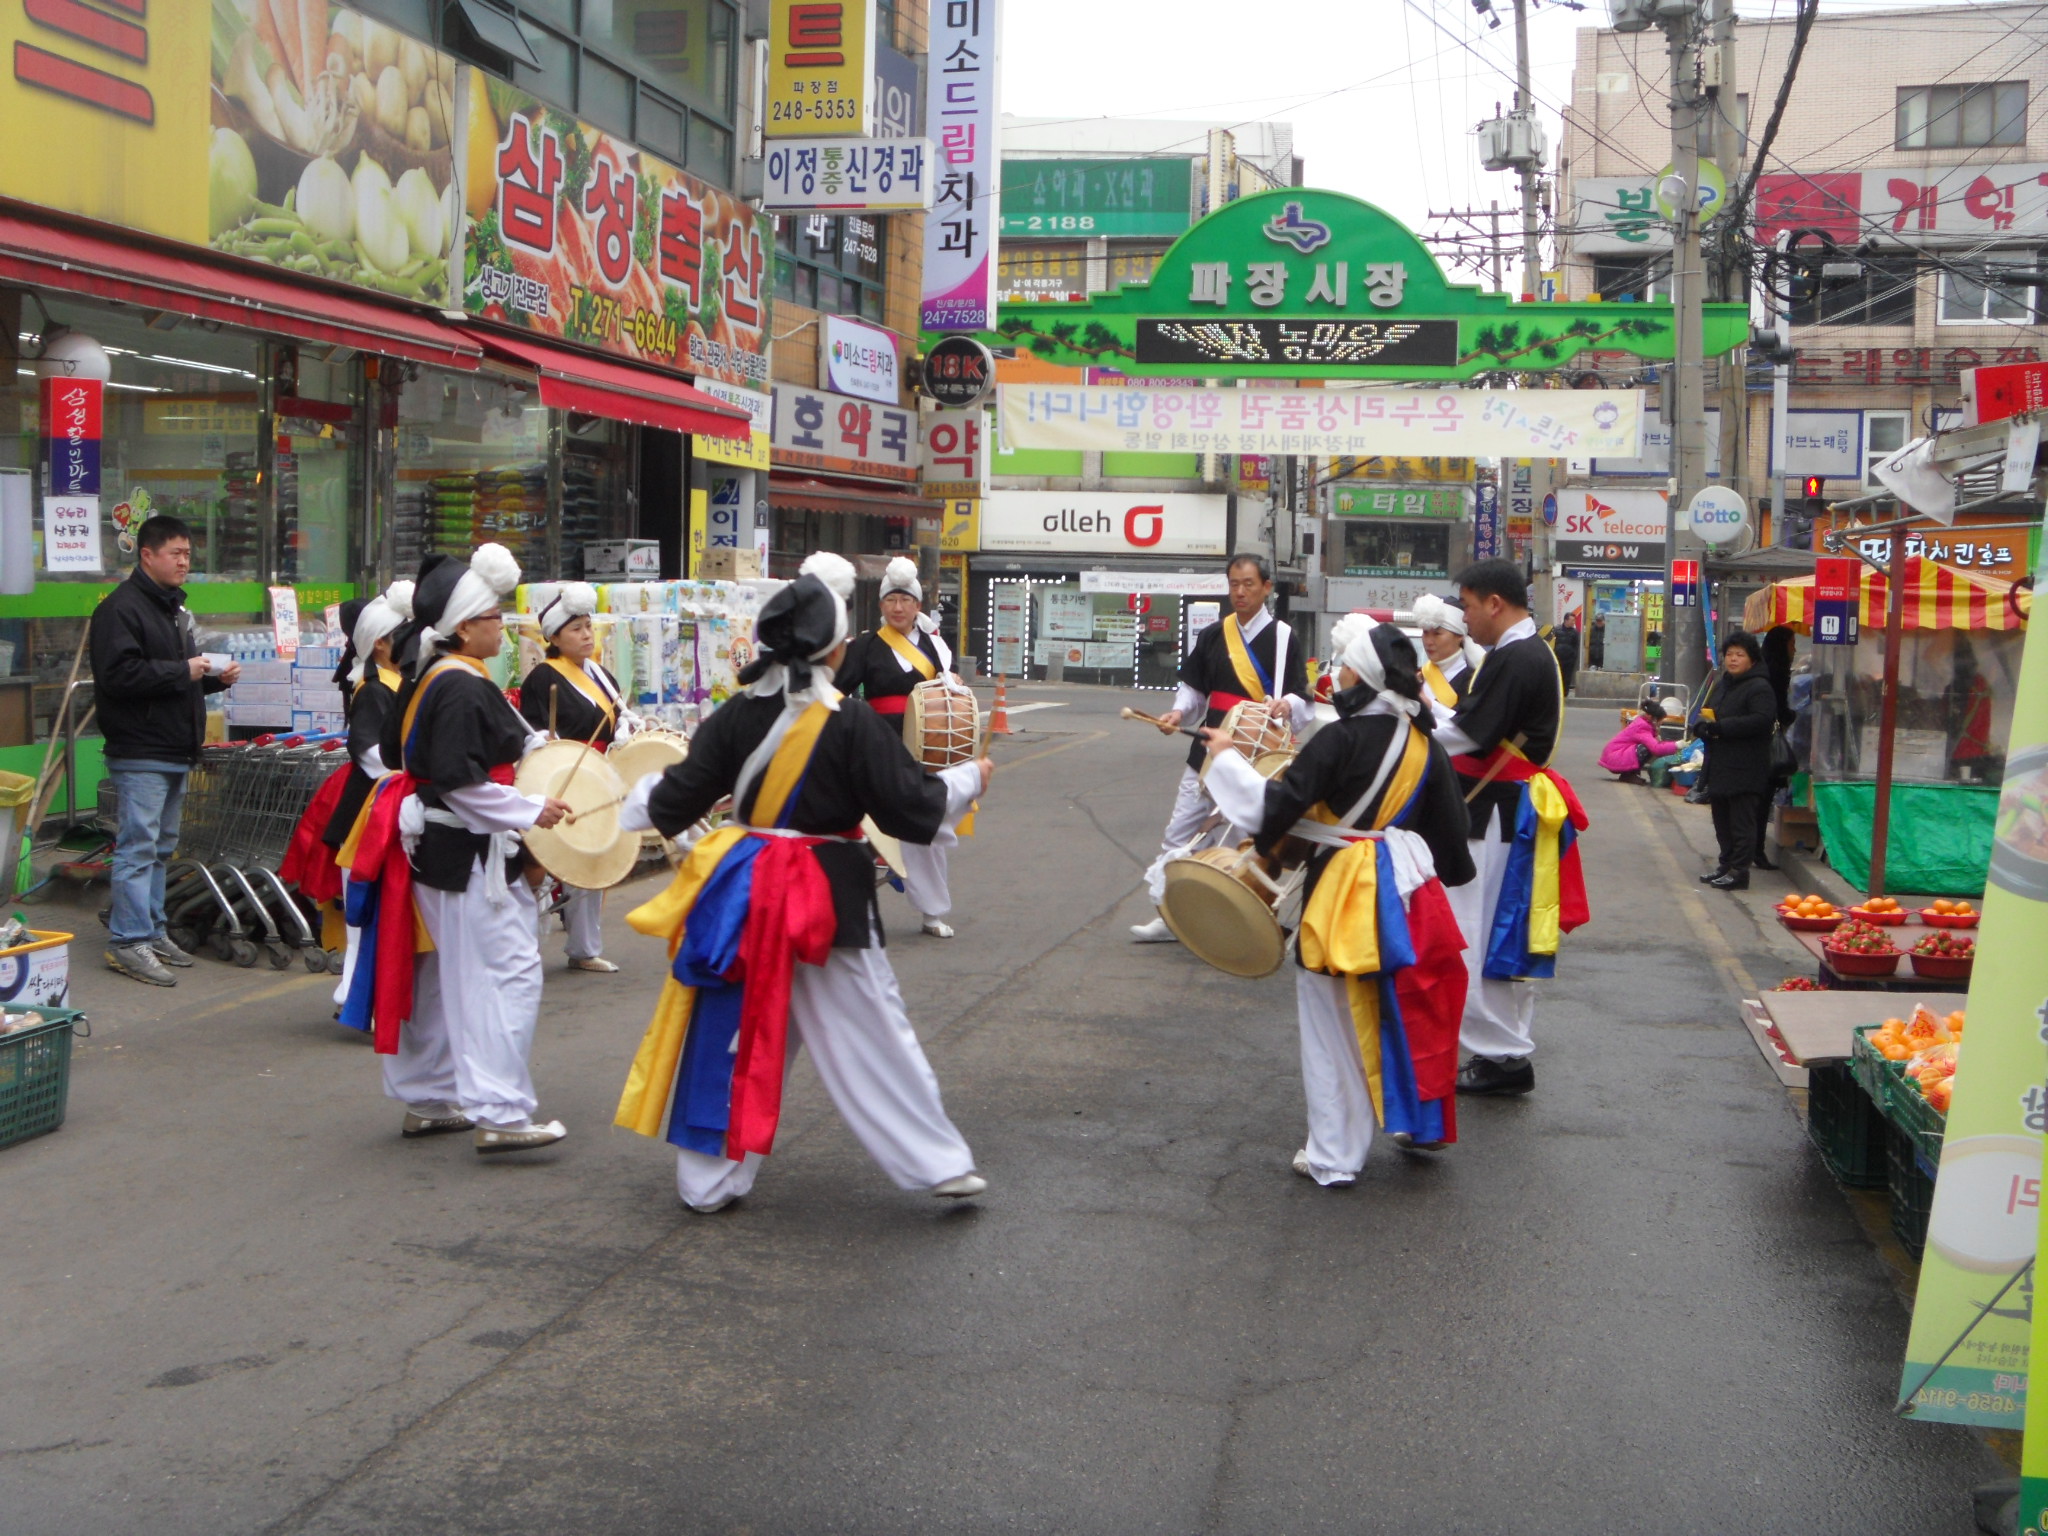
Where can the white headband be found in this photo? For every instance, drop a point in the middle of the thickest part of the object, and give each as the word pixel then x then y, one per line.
pixel 1352 640
pixel 901 576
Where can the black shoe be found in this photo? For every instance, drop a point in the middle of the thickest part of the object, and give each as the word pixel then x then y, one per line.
pixel 1734 880
pixel 1716 877
pixel 1631 777
pixel 1484 1075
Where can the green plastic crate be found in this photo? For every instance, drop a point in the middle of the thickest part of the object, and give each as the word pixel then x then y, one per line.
pixel 1868 1063
pixel 35 1075
pixel 1845 1126
pixel 1910 1178
pixel 1910 1112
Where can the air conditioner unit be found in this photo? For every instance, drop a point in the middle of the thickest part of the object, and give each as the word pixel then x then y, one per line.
pixel 1513 143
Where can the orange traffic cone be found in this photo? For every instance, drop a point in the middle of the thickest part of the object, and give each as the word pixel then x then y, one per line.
pixel 999 713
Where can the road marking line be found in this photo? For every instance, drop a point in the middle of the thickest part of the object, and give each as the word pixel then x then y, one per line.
pixel 1711 937
pixel 1025 709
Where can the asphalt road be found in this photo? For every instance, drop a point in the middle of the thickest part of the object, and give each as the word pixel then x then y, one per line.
pixel 236 1302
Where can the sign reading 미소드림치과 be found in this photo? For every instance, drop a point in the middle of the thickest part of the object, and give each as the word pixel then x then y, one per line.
pixel 959 284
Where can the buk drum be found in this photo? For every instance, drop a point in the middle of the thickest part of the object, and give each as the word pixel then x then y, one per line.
pixel 941 725
pixel 1258 728
pixel 651 751
pixel 586 849
pixel 1226 908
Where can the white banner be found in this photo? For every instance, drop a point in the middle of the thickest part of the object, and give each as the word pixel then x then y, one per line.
pixel 1157 583
pixel 871 175
pixel 1522 423
pixel 71 533
pixel 1103 522
pixel 960 116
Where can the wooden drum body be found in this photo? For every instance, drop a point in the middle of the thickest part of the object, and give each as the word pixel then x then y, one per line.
pixel 941 724
pixel 1224 907
pixel 1259 730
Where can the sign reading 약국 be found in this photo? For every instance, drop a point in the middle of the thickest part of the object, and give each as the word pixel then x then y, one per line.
pixel 816 429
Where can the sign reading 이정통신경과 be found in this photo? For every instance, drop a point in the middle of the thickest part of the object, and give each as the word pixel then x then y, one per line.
pixel 869 175
pixel 579 235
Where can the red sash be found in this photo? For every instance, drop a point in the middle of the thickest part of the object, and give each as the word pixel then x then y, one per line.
pixel 891 704
pixel 1226 702
pixel 309 862
pixel 790 919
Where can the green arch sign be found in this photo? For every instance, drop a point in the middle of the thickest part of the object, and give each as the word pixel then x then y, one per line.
pixel 1307 284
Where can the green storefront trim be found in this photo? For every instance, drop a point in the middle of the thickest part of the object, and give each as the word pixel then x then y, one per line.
pixel 77 599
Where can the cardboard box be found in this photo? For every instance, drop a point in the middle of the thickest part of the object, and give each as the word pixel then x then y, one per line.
pixel 728 562
pixel 622 560
pixel 36 974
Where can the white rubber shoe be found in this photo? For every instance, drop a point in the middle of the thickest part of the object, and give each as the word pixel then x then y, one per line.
pixel 1154 932
pixel 518 1138
pixel 964 1187
pixel 937 928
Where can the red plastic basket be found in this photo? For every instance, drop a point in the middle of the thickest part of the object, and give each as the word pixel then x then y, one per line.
pixel 1949 919
pixel 1937 967
pixel 1877 919
pixel 1842 963
pixel 1812 924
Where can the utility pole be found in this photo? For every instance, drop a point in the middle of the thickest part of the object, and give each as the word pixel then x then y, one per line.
pixel 1471 219
pixel 1684 651
pixel 1525 106
pixel 1733 272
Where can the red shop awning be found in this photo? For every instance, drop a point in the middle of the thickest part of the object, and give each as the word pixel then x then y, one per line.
pixel 845 496
pixel 185 280
pixel 579 381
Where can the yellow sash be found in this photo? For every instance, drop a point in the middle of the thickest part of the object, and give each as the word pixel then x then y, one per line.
pixel 1546 929
pixel 1340 930
pixel 907 649
pixel 586 685
pixel 391 678
pixel 1241 663
pixel 1439 686
pixel 643 1105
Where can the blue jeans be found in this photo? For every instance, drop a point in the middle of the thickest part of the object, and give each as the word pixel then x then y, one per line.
pixel 151 797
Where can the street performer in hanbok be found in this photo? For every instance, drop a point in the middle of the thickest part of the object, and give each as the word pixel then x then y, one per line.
pixel 772 925
pixel 1382 979
pixel 1451 655
pixel 436 877
pixel 882 666
pixel 571 696
pixel 1530 890
pixel 1249 656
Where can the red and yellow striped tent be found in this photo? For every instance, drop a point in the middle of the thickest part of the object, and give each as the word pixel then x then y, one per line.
pixel 1937 596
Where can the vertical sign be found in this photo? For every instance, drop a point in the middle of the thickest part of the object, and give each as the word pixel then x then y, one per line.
pixel 1486 521
pixel 284 621
pixel 960 118
pixel 1008 603
pixel 722 529
pixel 1967 1358
pixel 821 68
pixel 71 435
pixel 1685 583
pixel 1834 600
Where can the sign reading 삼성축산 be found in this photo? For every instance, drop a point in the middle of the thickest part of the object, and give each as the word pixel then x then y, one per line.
pixel 1967 1357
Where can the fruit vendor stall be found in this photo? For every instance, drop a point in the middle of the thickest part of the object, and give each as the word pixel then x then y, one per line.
pixel 1959 643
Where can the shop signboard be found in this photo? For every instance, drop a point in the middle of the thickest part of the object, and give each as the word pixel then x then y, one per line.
pixel 1148 584
pixel 1655 458
pixel 817 429
pixel 724 505
pixel 1835 592
pixel 1402 469
pixel 1828 443
pixel 71 533
pixel 1322 423
pixel 750 452
pixel 1617 530
pixel 1082 199
pixel 577 235
pixel 960 526
pixel 1397 501
pixel 861 360
pixel 870 175
pixel 1102 522
pixel 954 461
pixel 896 93
pixel 70 410
pixel 1973 205
pixel 959 292
pixel 1394 594
pixel 821 68
pixel 1999 552
pixel 1486 529
pixel 1979 1297
pixel 1300 282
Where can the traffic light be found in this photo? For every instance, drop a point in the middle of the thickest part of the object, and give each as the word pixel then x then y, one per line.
pixel 1813 485
pixel 1771 345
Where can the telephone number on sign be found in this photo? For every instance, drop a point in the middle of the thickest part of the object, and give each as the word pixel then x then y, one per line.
pixel 1047 223
pixel 826 109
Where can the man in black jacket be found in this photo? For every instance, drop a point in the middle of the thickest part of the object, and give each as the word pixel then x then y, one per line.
pixel 150 683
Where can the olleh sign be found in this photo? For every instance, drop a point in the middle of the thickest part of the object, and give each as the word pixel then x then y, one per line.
pixel 1095 523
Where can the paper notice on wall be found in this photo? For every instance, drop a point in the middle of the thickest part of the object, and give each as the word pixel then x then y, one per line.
pixel 284 621
pixel 71 533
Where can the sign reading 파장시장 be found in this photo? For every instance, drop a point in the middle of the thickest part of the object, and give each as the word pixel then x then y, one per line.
pixel 959 292
pixel 1081 199
pixel 579 235
pixel 1306 283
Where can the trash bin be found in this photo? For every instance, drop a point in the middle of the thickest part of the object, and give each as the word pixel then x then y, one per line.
pixel 17 793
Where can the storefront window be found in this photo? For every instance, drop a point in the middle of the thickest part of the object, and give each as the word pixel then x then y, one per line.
pixel 1374 548
pixel 598 486
pixel 472 467
pixel 319 467
pixel 685 45
pixel 831 263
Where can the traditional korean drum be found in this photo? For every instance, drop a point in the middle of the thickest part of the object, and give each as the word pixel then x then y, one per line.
pixel 648 752
pixel 941 724
pixel 1257 728
pixel 1223 905
pixel 587 848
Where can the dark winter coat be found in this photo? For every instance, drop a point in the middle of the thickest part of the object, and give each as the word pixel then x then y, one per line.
pixel 1738 738
pixel 149 707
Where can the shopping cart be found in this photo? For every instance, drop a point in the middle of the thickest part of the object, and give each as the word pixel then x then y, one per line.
pixel 242 802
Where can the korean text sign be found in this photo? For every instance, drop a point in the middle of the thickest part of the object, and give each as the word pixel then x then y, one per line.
pixel 956 451
pixel 960 116
pixel 817 429
pixel 71 435
pixel 821 68
pixel 587 238
pixel 1320 422
pixel 872 175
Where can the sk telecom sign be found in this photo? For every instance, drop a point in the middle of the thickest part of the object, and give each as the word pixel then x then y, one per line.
pixel 821 69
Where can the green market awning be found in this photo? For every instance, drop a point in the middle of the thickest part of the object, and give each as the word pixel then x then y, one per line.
pixel 1307 284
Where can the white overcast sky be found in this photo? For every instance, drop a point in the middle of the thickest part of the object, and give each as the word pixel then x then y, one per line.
pixel 1383 94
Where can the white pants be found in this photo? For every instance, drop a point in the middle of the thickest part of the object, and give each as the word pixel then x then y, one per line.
pixel 476 1000
pixel 1191 808
pixel 1340 1118
pixel 348 954
pixel 581 916
pixel 1500 1016
pixel 925 872
pixel 850 1015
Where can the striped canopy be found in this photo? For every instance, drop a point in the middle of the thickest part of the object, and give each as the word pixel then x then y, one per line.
pixel 1937 597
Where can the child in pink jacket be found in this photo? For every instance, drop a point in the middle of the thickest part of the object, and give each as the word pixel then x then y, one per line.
pixel 1629 753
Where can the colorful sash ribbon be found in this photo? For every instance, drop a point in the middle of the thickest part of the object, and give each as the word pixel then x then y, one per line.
pixel 1251 677
pixel 1543 891
pixel 589 687
pixel 909 652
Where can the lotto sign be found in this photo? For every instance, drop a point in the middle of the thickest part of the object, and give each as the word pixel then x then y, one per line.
pixel 1835 582
pixel 821 68
pixel 71 435
pixel 1718 515
pixel 960 115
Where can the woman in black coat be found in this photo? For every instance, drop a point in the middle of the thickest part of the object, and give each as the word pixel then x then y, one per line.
pixel 1737 780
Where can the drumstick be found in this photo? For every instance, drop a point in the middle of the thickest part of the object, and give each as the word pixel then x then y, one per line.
pixel 1154 720
pixel 589 747
pixel 573 817
pixel 1499 763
